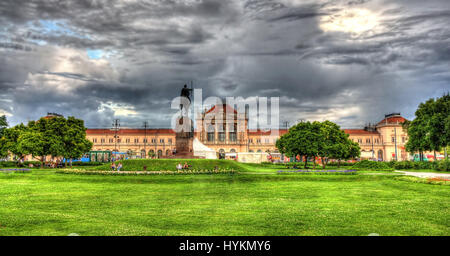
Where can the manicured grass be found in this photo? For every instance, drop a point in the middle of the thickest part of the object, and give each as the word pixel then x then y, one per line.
pixel 170 164
pixel 45 203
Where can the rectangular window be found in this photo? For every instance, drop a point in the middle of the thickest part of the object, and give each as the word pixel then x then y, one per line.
pixel 145 141
pixel 153 141
pixel 233 136
pixel 267 141
pixel 250 140
pixel 221 136
pixel 170 141
pixel 258 141
pixel 103 140
pixel 111 140
pixel 136 140
pixel 393 139
pixel 161 141
pixel 210 136
pixel 127 140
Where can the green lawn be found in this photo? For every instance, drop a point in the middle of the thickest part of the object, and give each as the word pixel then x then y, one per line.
pixel 45 203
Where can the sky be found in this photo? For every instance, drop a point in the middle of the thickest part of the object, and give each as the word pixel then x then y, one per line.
pixel 350 62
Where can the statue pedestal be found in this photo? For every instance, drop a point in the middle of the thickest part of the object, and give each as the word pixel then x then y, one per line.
pixel 184 138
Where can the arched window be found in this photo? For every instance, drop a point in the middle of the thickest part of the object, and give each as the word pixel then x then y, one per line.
pixel 380 155
pixel 222 150
pixel 159 153
pixel 259 151
pixel 250 151
pixel 232 150
pixel 167 152
pixel 142 153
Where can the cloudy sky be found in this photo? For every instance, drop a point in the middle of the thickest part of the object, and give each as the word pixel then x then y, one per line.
pixel 347 61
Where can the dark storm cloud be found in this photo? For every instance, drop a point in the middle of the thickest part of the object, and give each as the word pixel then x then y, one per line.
pixel 142 52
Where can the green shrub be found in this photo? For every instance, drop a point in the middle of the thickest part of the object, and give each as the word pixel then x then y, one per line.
pixel 404 165
pixel 4 164
pixel 372 165
pixel 86 163
pixel 443 165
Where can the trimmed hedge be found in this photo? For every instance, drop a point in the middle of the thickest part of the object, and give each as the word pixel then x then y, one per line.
pixel 443 165
pixel 86 163
pixel 4 164
pixel 372 165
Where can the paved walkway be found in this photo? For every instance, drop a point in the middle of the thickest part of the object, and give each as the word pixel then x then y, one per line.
pixel 427 174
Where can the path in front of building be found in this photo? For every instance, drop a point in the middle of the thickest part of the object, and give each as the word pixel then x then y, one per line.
pixel 426 174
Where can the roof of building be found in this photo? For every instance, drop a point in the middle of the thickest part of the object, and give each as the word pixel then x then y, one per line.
pixel 392 119
pixel 225 108
pixel 129 131
pixel 360 132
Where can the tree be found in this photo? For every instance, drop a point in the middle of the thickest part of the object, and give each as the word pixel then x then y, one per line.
pixel 346 150
pixel 52 130
pixel 3 124
pixel 31 143
pixel 430 128
pixel 74 139
pixel 335 144
pixel 10 138
pixel 302 139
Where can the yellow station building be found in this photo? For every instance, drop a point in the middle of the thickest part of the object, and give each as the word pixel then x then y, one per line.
pixel 384 141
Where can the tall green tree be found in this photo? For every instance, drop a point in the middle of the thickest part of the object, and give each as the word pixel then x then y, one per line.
pixel 31 142
pixel 335 144
pixel 74 139
pixel 429 131
pixel 3 124
pixel 10 139
pixel 52 130
pixel 301 140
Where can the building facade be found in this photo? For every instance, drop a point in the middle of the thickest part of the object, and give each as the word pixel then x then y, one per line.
pixel 222 135
pixel 384 141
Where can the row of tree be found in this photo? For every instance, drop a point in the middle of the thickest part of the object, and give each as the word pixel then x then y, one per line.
pixel 318 139
pixel 56 137
pixel 430 129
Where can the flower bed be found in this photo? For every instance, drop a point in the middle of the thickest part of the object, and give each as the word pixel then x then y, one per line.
pixel 433 181
pixel 138 173
pixel 344 172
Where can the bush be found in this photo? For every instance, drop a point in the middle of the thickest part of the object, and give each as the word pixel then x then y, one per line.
pixel 85 163
pixel 372 165
pixel 443 166
pixel 404 165
pixel 342 164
